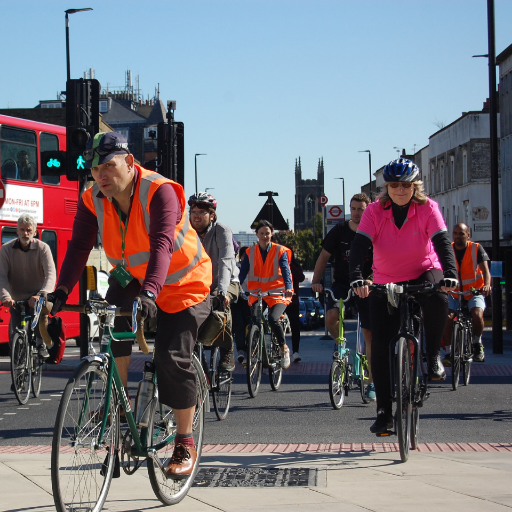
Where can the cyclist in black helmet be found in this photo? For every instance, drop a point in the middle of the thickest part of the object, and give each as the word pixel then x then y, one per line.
pixel 217 239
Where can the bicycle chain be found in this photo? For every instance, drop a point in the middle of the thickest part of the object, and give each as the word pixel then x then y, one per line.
pixel 126 448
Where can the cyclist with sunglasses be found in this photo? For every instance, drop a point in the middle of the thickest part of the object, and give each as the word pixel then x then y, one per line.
pixel 158 260
pixel 217 239
pixel 410 245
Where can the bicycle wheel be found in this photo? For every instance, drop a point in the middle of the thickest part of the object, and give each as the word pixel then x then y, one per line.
pixel 254 363
pixel 364 377
pixel 82 465
pixel 275 371
pixel 221 387
pixel 456 356
pixel 403 396
pixel 20 366
pixel 37 373
pixel 467 354
pixel 162 427
pixel 337 384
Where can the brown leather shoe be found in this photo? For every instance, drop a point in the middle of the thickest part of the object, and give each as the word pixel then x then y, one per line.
pixel 182 462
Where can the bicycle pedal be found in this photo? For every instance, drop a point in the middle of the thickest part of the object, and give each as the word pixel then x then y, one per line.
pixel 386 434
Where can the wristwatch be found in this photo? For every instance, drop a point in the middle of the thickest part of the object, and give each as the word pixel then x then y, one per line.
pixel 149 295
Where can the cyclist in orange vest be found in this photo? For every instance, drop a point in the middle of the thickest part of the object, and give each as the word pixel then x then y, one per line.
pixel 158 259
pixel 473 271
pixel 267 269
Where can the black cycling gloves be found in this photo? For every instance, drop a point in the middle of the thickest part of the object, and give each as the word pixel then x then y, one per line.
pixel 148 306
pixel 58 298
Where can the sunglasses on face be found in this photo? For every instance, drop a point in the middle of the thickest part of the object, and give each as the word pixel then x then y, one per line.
pixel 403 185
pixel 104 150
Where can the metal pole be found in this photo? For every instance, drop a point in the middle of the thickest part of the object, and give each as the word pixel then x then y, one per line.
pixel 370 169
pixel 195 162
pixel 67 48
pixel 497 314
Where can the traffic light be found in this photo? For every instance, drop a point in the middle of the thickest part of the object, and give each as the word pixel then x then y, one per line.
pixel 53 163
pixel 179 134
pixel 82 123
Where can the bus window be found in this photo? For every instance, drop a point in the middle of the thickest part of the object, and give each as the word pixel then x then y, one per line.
pixel 50 237
pixel 8 234
pixel 18 154
pixel 49 142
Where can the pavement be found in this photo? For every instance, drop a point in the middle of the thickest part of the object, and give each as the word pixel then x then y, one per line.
pixel 323 477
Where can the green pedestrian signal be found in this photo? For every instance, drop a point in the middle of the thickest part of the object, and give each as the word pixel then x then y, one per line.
pixel 80 163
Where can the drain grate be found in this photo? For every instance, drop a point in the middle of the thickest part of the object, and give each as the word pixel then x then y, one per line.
pixel 259 477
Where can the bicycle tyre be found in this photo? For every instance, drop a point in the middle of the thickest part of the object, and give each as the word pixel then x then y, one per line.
pixel 76 465
pixel 403 397
pixel 415 427
pixel 364 377
pixel 254 366
pixel 275 370
pixel 467 355
pixel 456 355
pixel 163 425
pixel 221 387
pixel 37 374
pixel 337 384
pixel 21 367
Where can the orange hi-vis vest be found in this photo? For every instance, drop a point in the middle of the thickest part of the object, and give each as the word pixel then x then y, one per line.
pixel 470 275
pixel 267 276
pixel 189 276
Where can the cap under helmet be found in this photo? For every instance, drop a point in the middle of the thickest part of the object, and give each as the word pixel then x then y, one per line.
pixel 202 198
pixel 401 169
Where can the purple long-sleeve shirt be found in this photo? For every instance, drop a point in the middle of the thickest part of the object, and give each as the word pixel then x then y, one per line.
pixel 165 213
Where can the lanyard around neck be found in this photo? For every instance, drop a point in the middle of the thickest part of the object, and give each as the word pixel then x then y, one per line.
pixel 123 232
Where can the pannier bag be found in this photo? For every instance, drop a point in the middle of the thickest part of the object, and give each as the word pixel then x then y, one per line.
pixel 57 332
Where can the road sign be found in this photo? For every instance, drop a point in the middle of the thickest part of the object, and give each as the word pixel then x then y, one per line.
pixel 2 193
pixel 334 212
pixel 323 199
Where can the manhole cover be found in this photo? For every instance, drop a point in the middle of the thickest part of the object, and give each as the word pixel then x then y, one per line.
pixel 259 477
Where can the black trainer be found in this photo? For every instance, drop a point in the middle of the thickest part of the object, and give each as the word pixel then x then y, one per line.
pixel 42 351
pixel 478 353
pixel 435 368
pixel 383 423
pixel 227 360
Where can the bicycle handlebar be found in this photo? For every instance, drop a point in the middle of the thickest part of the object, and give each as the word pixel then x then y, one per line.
pixel 95 307
pixel 329 291
pixel 425 287
pixel 472 291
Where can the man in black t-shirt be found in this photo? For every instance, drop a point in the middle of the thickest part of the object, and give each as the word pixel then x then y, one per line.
pixel 337 245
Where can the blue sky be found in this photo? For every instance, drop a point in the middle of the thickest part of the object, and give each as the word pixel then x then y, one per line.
pixel 259 83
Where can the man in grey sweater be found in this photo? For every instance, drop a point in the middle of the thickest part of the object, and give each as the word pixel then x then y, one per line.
pixel 27 270
pixel 217 240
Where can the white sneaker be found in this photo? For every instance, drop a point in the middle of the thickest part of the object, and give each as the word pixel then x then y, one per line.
pixel 285 358
pixel 296 357
pixel 241 356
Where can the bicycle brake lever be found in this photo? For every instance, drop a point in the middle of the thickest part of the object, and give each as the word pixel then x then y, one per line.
pixel 135 309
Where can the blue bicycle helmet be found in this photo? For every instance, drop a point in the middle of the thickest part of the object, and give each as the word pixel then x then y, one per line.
pixel 401 169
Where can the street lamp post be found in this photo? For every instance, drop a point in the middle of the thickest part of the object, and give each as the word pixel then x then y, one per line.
pixel 195 161
pixel 344 207
pixel 71 11
pixel 369 166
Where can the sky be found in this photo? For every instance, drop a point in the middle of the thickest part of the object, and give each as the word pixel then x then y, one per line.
pixel 260 83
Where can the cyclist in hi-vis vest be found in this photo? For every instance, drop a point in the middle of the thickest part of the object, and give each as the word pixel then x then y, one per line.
pixel 158 259
pixel 267 269
pixel 473 271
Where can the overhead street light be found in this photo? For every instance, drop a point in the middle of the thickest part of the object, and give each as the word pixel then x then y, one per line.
pixel 71 11
pixel 370 167
pixel 195 161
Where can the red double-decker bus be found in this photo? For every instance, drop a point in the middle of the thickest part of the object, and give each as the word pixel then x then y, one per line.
pixel 51 200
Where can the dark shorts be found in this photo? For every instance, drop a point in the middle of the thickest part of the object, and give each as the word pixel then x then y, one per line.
pixel 361 305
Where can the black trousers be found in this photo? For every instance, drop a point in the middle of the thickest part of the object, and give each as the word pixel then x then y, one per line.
pixel 293 315
pixel 385 326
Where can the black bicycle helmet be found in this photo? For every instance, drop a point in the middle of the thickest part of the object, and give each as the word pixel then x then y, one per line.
pixel 401 169
pixel 202 199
